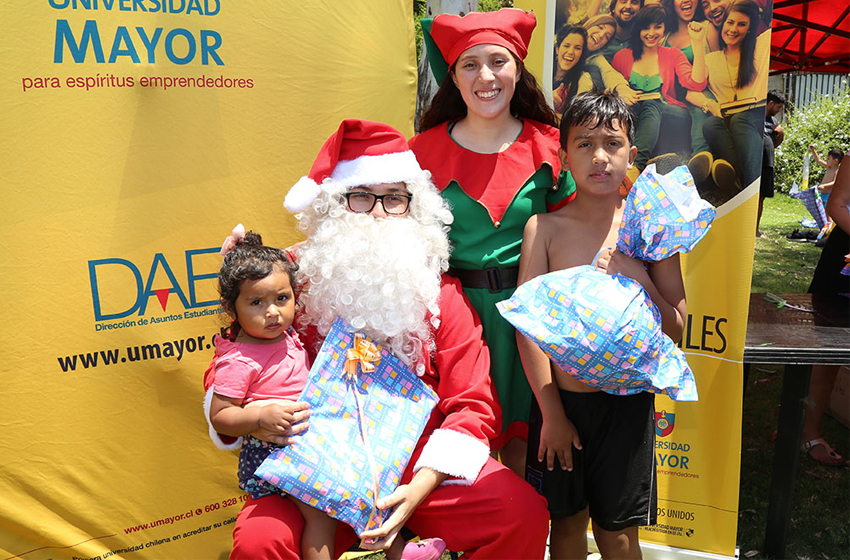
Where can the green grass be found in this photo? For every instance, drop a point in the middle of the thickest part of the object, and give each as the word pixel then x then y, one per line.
pixel 819 528
pixel 779 264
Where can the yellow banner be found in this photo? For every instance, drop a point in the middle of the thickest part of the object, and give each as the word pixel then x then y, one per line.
pixel 698 445
pixel 135 136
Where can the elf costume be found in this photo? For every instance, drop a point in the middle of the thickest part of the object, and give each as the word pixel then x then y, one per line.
pixel 492 197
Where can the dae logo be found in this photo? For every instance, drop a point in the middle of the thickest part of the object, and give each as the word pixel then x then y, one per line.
pixel 664 422
pixel 120 288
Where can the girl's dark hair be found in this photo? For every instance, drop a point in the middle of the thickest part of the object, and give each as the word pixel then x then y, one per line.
pixel 672 23
pixel 571 77
pixel 249 260
pixel 528 101
pixel 594 109
pixel 644 18
pixel 747 65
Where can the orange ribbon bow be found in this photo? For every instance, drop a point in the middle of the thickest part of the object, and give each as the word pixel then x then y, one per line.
pixel 363 352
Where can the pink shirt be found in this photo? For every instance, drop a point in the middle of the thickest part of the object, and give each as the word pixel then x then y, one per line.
pixel 260 371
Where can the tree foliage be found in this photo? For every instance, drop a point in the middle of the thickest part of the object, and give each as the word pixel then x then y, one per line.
pixel 825 123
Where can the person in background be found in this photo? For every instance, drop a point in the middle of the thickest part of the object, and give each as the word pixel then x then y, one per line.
pixel 680 14
pixel 600 29
pixel 828 279
pixel 773 136
pixel 833 160
pixel 570 57
pixel 736 73
pixel 623 12
pixel 654 69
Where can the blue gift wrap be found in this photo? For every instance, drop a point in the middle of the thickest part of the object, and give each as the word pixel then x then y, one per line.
pixel 363 430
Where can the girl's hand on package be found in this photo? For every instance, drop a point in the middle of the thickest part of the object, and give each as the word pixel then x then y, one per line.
pixel 557 440
pixel 280 420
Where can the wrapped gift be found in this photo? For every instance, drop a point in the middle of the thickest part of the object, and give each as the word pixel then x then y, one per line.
pixel 812 201
pixel 601 329
pixel 367 413
pixel 605 330
pixel 664 215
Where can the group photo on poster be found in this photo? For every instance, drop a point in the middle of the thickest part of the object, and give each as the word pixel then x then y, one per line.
pixel 694 73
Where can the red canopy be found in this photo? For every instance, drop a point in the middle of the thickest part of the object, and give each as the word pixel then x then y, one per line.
pixel 810 36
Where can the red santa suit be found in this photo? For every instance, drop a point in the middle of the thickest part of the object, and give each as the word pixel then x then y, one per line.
pixel 483 509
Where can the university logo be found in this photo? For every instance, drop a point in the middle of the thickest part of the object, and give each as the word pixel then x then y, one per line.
pixel 664 422
pixel 120 288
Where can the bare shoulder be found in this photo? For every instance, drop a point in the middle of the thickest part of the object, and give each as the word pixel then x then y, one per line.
pixel 557 220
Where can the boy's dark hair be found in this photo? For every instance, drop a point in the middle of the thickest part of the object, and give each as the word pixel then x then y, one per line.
pixel 594 108
pixel 528 101
pixel 777 97
pixel 836 154
pixel 644 18
pixel 249 260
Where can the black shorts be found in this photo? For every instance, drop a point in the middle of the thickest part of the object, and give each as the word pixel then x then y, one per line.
pixel 827 278
pixel 614 472
pixel 766 185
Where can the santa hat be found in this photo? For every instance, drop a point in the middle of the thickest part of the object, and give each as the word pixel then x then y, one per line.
pixel 509 27
pixel 358 153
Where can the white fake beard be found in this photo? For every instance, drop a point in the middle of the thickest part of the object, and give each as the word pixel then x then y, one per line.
pixel 381 275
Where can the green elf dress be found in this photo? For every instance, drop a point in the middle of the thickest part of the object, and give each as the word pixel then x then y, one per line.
pixel 492 197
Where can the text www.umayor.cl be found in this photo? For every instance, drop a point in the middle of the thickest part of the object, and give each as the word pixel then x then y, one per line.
pixel 170 349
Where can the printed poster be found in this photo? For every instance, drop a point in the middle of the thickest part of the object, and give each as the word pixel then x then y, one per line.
pixel 135 135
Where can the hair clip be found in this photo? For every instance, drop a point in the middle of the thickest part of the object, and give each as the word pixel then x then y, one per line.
pixel 233 239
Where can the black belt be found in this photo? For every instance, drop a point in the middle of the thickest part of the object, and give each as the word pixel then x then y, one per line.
pixel 493 279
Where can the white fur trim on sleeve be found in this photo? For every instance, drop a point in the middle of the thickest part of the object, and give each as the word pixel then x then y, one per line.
pixel 454 453
pixel 301 195
pixel 214 436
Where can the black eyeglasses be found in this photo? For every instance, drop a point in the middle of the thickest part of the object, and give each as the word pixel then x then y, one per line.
pixel 364 202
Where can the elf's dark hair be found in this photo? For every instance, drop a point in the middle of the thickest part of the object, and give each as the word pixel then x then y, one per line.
pixel 528 101
pixel 249 260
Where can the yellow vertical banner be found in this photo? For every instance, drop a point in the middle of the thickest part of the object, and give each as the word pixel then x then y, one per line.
pixel 698 445
pixel 134 136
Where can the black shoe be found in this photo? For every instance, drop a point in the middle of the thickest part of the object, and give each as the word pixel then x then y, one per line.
pixel 796 235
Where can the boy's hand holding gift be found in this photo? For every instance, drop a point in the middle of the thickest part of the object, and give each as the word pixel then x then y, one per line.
pixel 601 326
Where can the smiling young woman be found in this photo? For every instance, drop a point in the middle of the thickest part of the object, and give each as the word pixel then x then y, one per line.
pixel 490 142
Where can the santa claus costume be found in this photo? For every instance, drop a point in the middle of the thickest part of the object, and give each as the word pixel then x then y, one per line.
pixel 402 300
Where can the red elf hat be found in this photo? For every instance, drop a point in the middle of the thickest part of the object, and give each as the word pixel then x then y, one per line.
pixel 509 27
pixel 358 153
